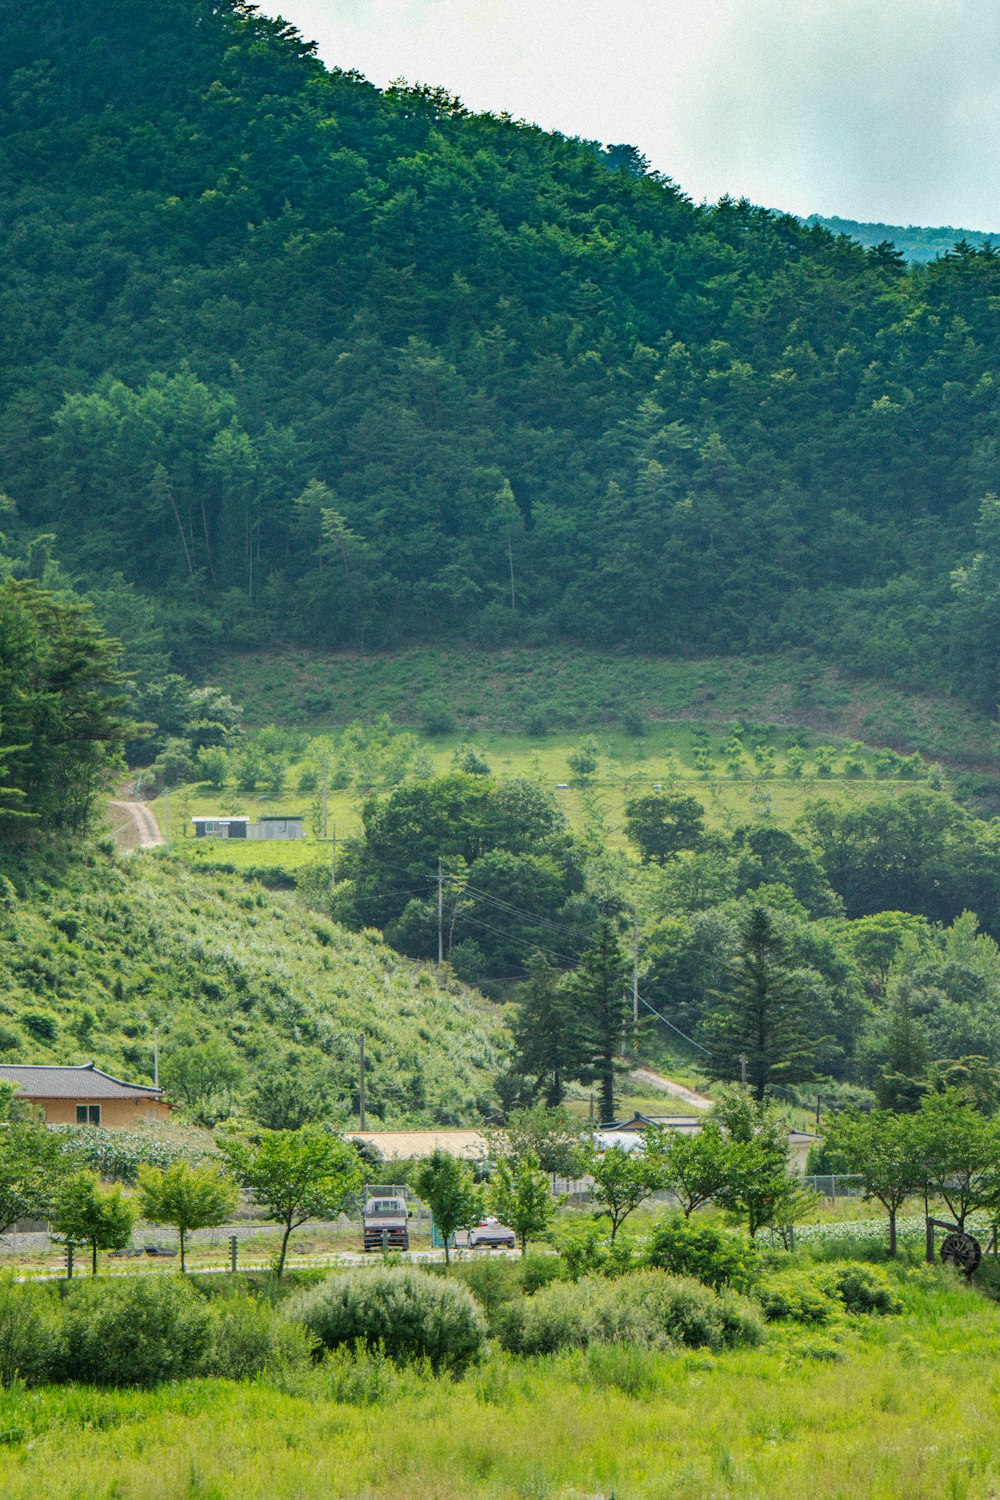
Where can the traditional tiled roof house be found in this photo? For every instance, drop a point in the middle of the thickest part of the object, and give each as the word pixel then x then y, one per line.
pixel 84 1095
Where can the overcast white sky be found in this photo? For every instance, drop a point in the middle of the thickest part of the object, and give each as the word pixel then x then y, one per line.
pixel 871 109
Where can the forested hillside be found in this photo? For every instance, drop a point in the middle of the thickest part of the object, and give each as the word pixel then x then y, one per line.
pixel 914 241
pixel 310 362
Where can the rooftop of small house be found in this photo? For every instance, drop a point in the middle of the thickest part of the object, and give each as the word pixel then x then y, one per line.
pixel 82 1081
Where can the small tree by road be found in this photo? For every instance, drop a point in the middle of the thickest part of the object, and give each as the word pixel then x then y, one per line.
pixel 759 1184
pixel 33 1161
pixel 883 1148
pixel 86 1213
pixel 186 1197
pixel 297 1174
pixel 622 1179
pixel 519 1195
pixel 959 1153
pixel 695 1166
pixel 446 1185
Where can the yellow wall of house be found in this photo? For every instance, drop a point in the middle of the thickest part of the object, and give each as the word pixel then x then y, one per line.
pixel 116 1114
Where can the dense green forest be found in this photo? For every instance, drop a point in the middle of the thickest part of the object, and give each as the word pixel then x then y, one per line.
pixel 915 242
pixel 306 361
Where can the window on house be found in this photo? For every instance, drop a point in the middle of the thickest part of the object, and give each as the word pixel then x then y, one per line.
pixel 88 1114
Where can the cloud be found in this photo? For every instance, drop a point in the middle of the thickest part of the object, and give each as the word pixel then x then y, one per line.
pixel 874 109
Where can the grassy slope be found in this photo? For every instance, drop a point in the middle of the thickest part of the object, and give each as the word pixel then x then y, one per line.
pixel 896 1407
pixel 104 949
pixel 496 689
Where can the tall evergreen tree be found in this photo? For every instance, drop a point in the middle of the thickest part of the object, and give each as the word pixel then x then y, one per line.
pixel 599 991
pixel 763 1014
pixel 902 1084
pixel 545 1033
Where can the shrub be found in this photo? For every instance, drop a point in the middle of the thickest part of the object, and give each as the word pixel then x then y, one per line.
pixel 717 1257
pixel 861 1288
pixel 409 1314
pixel 562 1316
pixel 661 1310
pixel 796 1296
pixel 436 718
pixel 647 1307
pixel 136 1331
pixel 42 1025
pixel 249 1338
pixel 537 1271
pixel 583 1250
pixel 29 1333
pixel 491 1282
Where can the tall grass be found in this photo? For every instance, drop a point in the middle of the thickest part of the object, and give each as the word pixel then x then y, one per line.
pixel 905 1406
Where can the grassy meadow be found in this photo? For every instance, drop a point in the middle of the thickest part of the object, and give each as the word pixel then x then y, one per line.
pixel 887 1407
pixel 685 755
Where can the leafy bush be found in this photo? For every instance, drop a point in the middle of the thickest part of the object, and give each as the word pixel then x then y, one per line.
pixel 661 1310
pixel 861 1288
pixel 409 1314
pixel 562 1316
pixel 29 1332
pixel 796 1296
pixel 537 1271
pixel 647 1307
pixel 491 1282
pixel 249 1338
pixel 136 1331
pixel 717 1257
pixel 583 1249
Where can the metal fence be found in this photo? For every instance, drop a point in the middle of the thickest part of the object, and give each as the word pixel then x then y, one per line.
pixel 837 1185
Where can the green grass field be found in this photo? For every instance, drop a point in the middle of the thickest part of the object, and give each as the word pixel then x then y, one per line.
pixel 881 1408
pixel 666 756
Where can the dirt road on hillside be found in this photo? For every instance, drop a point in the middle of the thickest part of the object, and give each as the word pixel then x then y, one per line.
pixel 134 826
pixel 659 1084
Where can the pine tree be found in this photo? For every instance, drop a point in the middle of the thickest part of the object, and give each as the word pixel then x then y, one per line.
pixel 763 1014
pixel 602 1011
pixel 544 1031
pixel 902 1086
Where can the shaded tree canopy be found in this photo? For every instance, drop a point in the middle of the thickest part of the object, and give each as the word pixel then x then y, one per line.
pixel 274 335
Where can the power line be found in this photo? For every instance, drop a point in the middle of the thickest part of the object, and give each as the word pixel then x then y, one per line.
pixel 678 1030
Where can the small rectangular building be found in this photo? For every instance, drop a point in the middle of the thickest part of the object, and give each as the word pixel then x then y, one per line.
pixel 221 828
pixel 84 1095
pixel 272 826
pixel 280 826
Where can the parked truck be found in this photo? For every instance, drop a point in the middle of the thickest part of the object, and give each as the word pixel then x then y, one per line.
pixel 385 1219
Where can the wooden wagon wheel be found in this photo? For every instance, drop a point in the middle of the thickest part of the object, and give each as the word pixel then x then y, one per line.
pixel 962 1251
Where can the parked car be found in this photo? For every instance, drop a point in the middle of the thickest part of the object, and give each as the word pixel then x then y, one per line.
pixel 493 1235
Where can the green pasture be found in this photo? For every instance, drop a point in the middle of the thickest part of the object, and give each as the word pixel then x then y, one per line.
pixel 670 754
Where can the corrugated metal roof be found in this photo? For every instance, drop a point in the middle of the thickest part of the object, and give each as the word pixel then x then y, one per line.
pixel 80 1082
pixel 397 1144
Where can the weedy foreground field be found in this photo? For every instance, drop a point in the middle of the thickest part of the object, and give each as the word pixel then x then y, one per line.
pixel 880 1408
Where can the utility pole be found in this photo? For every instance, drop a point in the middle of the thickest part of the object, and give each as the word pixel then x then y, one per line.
pixel 635 976
pixel 324 799
pixel 510 559
pixel 743 1069
pixel 361 1090
pixel 156 1057
pixel 440 913
pixel 333 859
pixel 166 818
